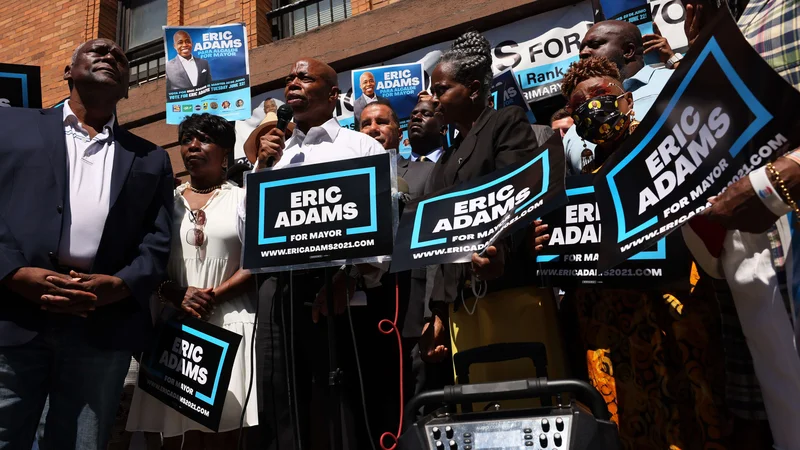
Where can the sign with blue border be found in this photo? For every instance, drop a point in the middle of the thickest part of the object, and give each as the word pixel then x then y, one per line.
pixel 450 225
pixel 207 72
pixel 318 215
pixel 20 86
pixel 397 84
pixel 722 114
pixel 570 257
pixel 506 92
pixel 189 367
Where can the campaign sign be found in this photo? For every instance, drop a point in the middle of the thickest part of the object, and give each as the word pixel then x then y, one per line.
pixel 452 224
pixel 319 215
pixel 570 257
pixel 20 86
pixel 636 12
pixel 506 92
pixel 399 84
pixel 189 367
pixel 207 72
pixel 722 114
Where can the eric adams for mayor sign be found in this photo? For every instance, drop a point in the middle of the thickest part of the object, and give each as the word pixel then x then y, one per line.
pixel 319 214
pixel 724 113
pixel 450 225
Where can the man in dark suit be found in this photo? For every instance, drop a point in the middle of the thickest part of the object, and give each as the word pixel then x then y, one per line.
pixel 84 240
pixel 185 71
pixel 368 95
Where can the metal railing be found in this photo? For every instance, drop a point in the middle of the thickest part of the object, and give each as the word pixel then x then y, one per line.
pixel 147 63
pixel 305 15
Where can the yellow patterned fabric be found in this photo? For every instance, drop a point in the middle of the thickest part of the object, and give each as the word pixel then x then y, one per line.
pixel 658 363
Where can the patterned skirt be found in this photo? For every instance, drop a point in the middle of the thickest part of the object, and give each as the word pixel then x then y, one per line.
pixel 658 363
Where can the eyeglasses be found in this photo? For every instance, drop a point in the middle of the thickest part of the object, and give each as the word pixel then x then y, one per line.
pixel 196 237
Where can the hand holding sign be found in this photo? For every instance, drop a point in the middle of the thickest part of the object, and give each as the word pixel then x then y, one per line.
pixel 739 208
pixel 540 236
pixel 659 44
pixel 490 264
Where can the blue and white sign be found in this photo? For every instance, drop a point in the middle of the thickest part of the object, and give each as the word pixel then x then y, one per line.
pixel 189 367
pixel 450 225
pixel 207 72
pixel 722 115
pixel 319 215
pixel 398 85
pixel 506 92
pixel 570 257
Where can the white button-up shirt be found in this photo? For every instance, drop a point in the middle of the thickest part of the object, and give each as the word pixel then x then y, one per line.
pixel 325 143
pixel 90 162
pixel 190 66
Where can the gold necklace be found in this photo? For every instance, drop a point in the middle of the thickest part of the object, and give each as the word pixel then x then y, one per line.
pixel 204 191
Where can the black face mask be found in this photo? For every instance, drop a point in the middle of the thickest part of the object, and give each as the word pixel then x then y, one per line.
pixel 599 119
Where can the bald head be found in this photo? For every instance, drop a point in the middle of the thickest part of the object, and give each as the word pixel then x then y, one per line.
pixel 312 92
pixel 618 41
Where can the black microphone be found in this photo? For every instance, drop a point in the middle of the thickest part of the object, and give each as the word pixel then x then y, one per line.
pixel 285 115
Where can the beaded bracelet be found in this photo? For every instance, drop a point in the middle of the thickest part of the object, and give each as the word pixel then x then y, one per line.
pixel 783 191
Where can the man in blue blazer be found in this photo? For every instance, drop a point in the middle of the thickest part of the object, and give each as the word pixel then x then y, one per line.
pixel 85 227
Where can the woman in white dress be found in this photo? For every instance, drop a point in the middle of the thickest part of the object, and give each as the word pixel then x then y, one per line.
pixel 205 281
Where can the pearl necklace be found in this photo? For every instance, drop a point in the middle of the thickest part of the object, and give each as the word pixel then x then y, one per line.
pixel 204 191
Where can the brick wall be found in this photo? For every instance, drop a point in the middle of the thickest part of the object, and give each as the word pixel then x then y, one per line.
pixel 46 33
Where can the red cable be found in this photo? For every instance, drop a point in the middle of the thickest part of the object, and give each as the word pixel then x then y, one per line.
pixel 393 328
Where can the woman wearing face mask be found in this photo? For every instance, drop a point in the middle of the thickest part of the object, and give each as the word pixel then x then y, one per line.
pixel 205 281
pixel 489 140
pixel 655 360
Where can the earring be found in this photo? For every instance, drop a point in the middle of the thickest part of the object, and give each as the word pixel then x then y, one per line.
pixel 587 159
pixel 634 123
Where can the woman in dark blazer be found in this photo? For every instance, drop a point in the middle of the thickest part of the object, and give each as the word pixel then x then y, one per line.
pixel 460 86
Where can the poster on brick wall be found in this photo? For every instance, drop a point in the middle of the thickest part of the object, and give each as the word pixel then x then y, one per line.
pixel 20 86
pixel 207 72
pixel 538 49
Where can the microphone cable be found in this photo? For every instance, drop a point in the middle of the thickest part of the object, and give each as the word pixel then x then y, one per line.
pixel 358 364
pixel 293 388
pixel 393 329
pixel 252 365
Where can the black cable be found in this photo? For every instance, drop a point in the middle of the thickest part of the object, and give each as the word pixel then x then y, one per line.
pixel 299 441
pixel 358 369
pixel 290 395
pixel 252 369
pixel 278 293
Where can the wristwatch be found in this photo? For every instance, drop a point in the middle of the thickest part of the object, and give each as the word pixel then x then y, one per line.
pixel 673 60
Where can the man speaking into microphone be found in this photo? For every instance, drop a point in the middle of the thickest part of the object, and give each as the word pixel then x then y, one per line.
pixel 312 93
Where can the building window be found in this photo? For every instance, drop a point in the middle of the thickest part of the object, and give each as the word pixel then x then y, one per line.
pixel 292 17
pixel 140 34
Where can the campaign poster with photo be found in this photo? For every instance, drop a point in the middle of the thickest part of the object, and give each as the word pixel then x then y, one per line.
pixel 570 257
pixel 506 92
pixel 207 72
pixel 722 114
pixel 189 366
pixel 20 86
pixel 452 224
pixel 318 215
pixel 397 84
